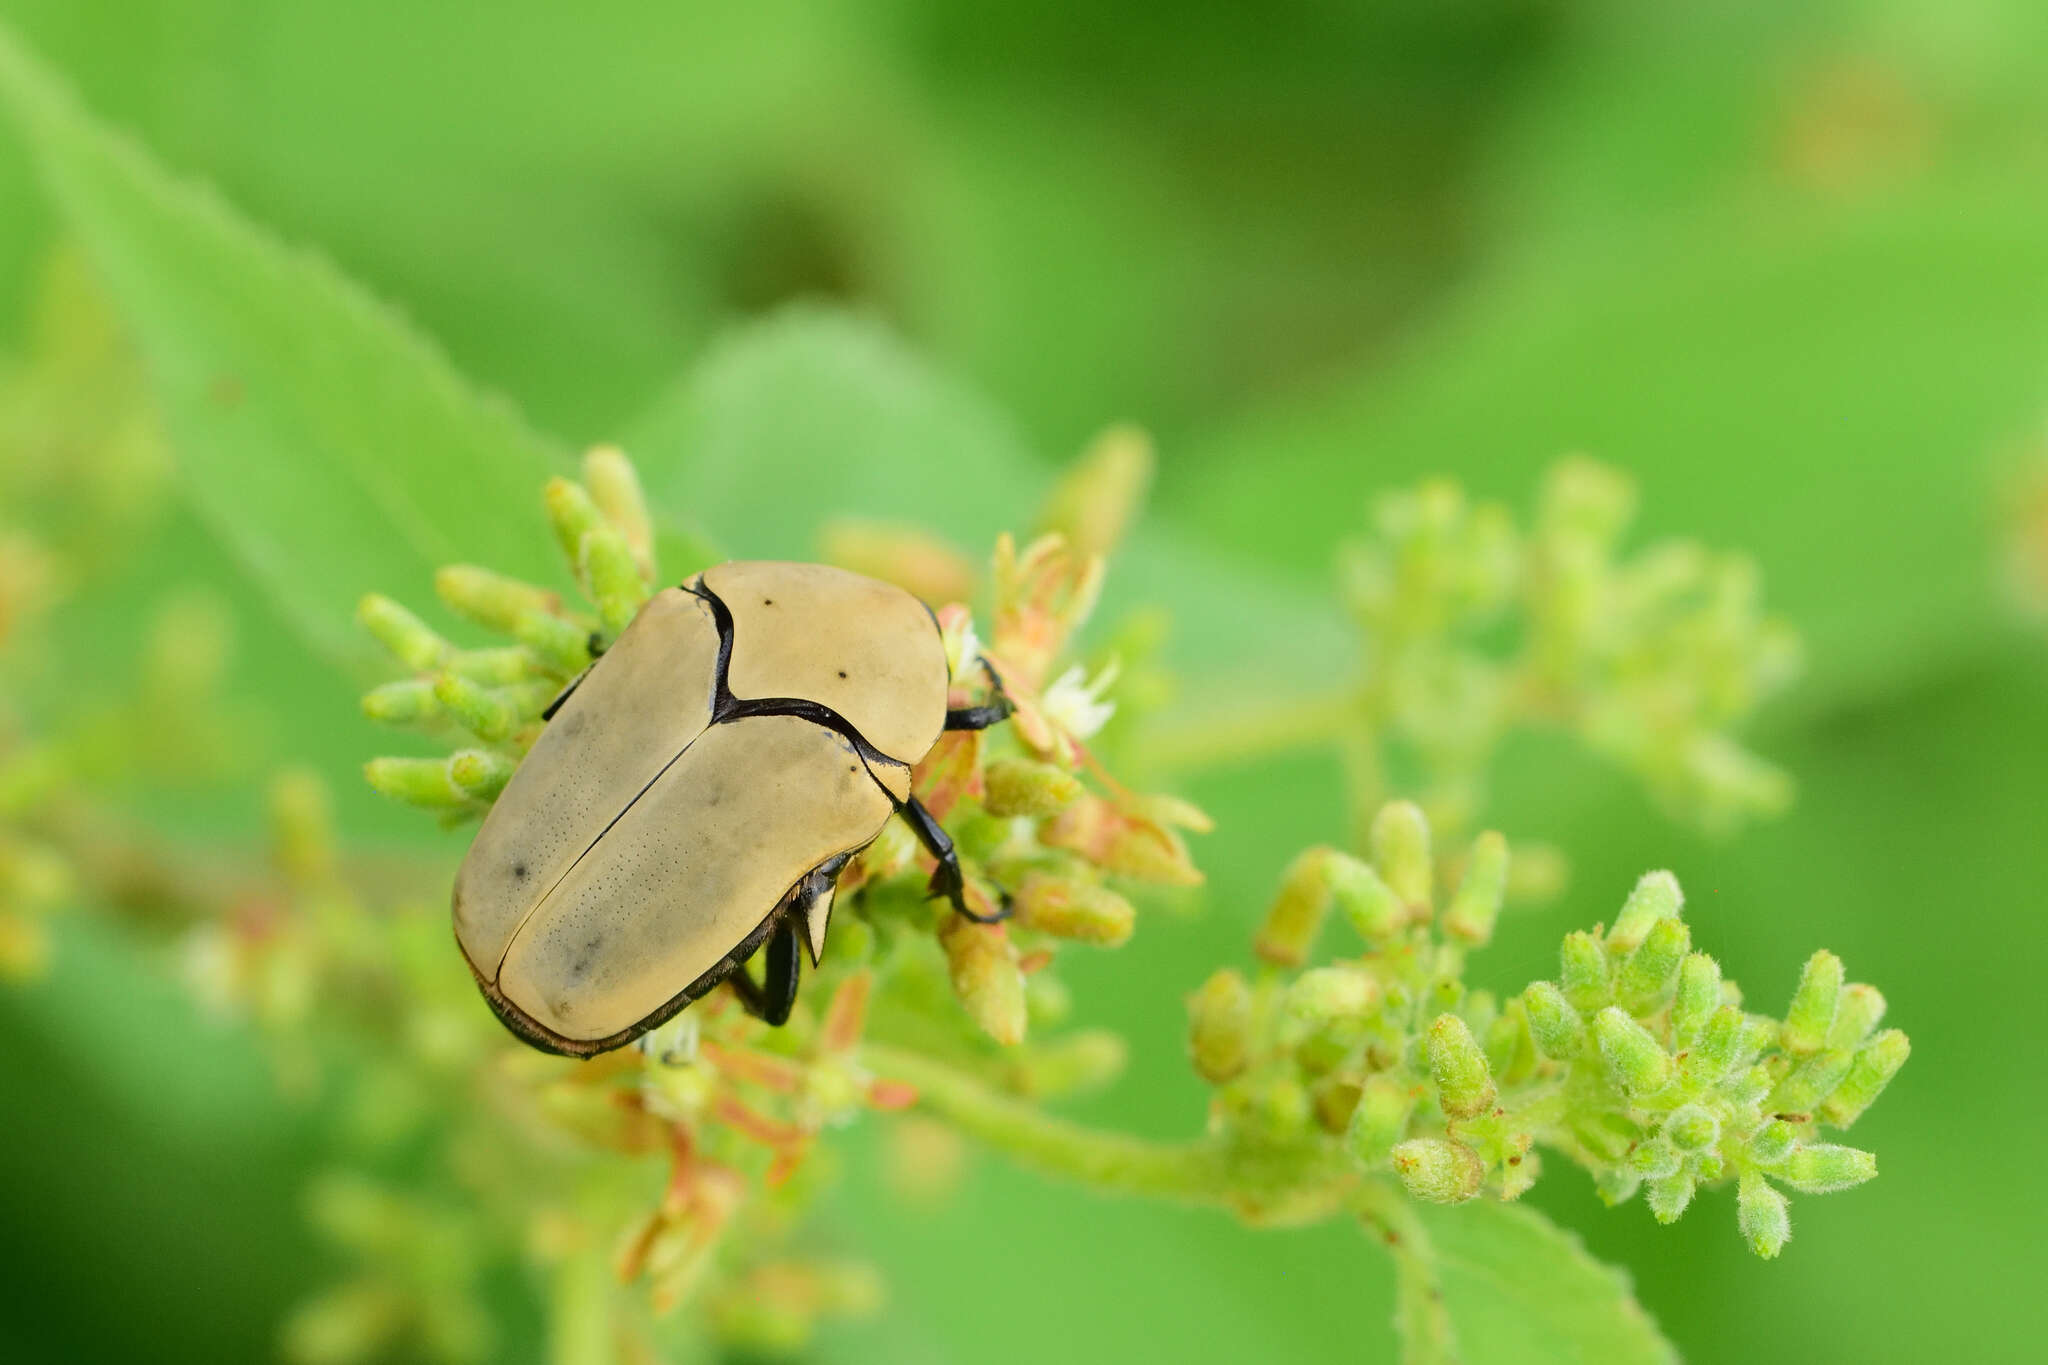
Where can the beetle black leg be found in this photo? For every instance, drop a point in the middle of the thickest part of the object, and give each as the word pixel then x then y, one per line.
pixel 981 717
pixel 947 879
pixel 772 999
pixel 548 712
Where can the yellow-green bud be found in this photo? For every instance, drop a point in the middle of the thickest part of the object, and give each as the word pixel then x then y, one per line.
pixel 1823 1168
pixel 416 781
pixel 1639 1065
pixel 1477 903
pixel 1553 1023
pixel 1325 995
pixel 1019 786
pixel 1877 1061
pixel 1699 994
pixel 492 667
pixel 1761 1213
pixel 1072 909
pixel 1812 1014
pixel 1692 1128
pixel 1656 897
pixel 1295 917
pixel 1097 497
pixel 985 976
pixel 1714 1056
pixel 615 487
pixel 1047 999
pixel 1812 1081
pixel 1371 906
pixel 1439 1171
pixel 1464 1082
pixel 302 827
pixel 1655 1159
pixel 1583 971
pixel 1773 1142
pixel 1858 1013
pixel 1668 1197
pixel 1648 975
pixel 1510 1049
pixel 1220 1027
pixel 1081 1061
pixel 410 640
pixel 1400 850
pixel 1380 1119
pixel 573 514
pixel 490 599
pixel 483 711
pixel 409 701
pixel 563 644
pixel 1607 1136
pixel 612 577
pixel 480 772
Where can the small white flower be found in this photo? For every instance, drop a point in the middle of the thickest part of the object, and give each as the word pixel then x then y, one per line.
pixel 966 651
pixel 1076 705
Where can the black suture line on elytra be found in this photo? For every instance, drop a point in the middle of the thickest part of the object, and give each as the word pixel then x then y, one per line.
pixel 725 706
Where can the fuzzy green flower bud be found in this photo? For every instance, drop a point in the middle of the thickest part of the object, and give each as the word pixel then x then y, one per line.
pixel 615 487
pixel 1477 902
pixel 1639 1064
pixel 480 772
pixel 1823 1168
pixel 1773 1142
pixel 1608 1136
pixel 1656 897
pixel 1400 851
pixel 416 781
pixel 985 976
pixel 1295 917
pixel 1553 1023
pixel 1812 1081
pixel 1699 993
pixel 1648 974
pixel 1692 1128
pixel 302 828
pixel 1327 995
pixel 1812 1015
pixel 1380 1119
pixel 490 599
pixel 1583 971
pixel 1439 1171
pixel 1510 1048
pixel 1714 1057
pixel 1371 906
pixel 1220 1027
pixel 561 643
pixel 1019 786
pixel 1761 1213
pixel 1857 1015
pixel 612 576
pixel 1668 1196
pixel 492 667
pixel 1877 1061
pixel 409 701
pixel 1072 909
pixel 1656 1159
pixel 573 514
pixel 410 640
pixel 1464 1082
pixel 483 711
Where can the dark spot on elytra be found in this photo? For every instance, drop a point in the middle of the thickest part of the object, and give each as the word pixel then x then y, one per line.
pixel 767 601
pixel 842 672
pixel 519 871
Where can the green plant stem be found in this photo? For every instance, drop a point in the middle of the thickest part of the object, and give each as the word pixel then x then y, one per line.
pixel 1427 1337
pixel 1191 1172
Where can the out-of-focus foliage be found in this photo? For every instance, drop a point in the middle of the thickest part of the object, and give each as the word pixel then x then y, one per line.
pixel 1781 264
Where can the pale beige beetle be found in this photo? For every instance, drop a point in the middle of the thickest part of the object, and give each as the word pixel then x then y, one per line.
pixel 696 793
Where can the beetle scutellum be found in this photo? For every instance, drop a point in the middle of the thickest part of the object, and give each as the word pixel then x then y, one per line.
pixel 696 793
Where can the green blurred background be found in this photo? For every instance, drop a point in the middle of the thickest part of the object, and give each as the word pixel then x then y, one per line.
pixel 1787 264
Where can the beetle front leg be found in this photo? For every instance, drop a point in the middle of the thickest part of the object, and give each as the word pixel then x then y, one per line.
pixel 947 878
pixel 981 717
pixel 772 1000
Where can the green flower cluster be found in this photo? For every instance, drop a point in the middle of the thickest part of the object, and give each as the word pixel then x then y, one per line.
pixel 1638 1062
pixel 1472 625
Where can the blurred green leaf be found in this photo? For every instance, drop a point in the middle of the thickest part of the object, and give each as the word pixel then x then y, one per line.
pixel 813 414
pixel 335 449
pixel 1517 1288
